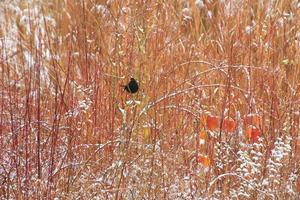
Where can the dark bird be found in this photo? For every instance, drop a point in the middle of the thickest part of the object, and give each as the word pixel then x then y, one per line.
pixel 132 86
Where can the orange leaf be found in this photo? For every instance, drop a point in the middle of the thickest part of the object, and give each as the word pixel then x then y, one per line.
pixel 212 122
pixel 229 125
pixel 202 135
pixel 252 119
pixel 204 160
pixel 253 133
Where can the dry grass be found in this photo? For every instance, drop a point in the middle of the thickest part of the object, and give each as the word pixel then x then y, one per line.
pixel 69 131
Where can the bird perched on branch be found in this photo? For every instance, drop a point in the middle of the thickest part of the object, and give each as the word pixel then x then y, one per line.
pixel 132 86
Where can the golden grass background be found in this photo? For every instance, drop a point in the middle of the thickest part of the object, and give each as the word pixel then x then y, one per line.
pixel 69 131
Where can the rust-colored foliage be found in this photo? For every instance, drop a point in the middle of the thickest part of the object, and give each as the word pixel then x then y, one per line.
pixel 204 160
pixel 66 124
pixel 252 119
pixel 212 122
pixel 229 125
pixel 252 133
pixel 203 135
